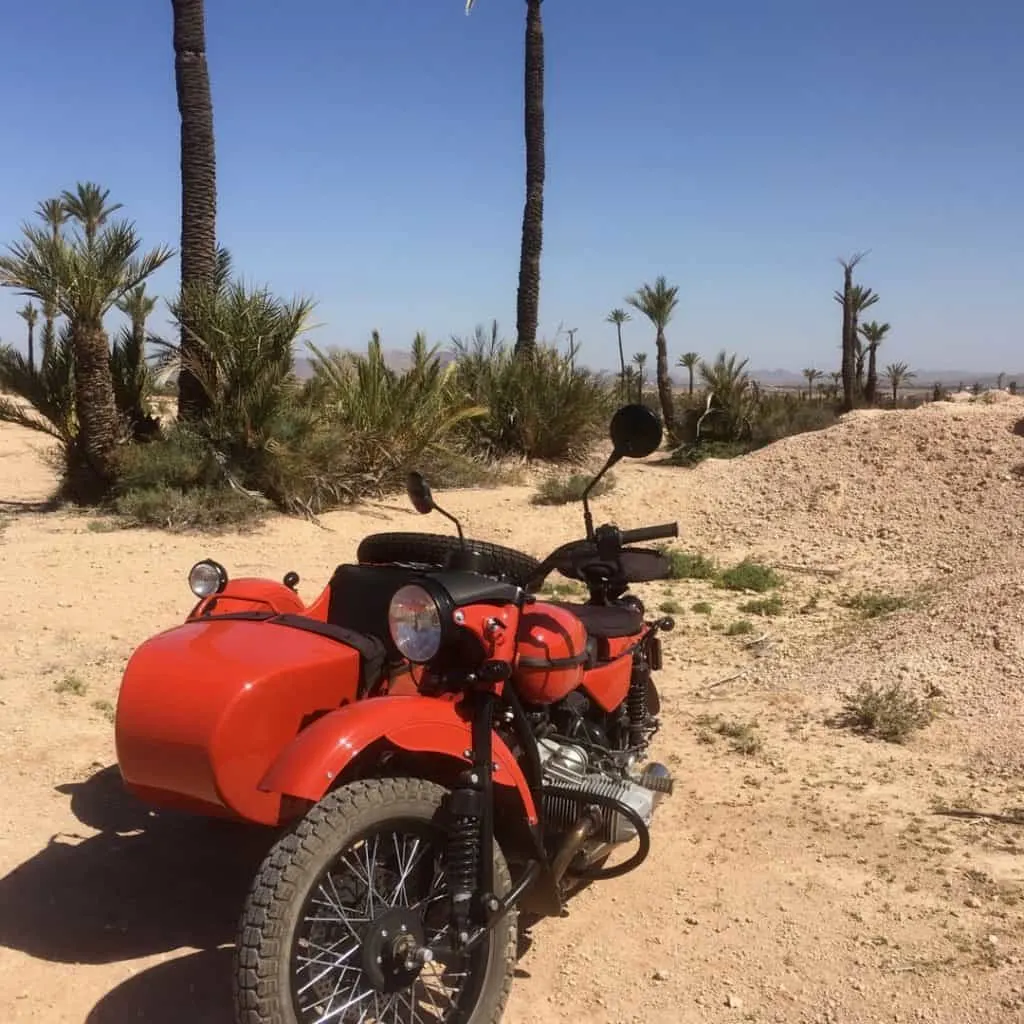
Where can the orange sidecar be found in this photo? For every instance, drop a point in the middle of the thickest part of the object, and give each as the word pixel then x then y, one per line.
pixel 206 708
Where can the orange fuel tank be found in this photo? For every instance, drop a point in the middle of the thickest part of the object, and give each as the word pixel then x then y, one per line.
pixel 552 654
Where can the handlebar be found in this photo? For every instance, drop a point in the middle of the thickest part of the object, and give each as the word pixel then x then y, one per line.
pixel 663 532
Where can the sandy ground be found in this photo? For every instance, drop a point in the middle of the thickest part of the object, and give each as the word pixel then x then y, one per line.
pixel 810 876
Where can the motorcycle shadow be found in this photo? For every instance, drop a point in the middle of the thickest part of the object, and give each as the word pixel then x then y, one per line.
pixel 145 884
pixel 194 988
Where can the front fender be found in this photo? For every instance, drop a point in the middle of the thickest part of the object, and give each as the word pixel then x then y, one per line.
pixel 320 753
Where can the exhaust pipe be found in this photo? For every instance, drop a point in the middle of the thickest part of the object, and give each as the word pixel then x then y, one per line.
pixel 584 828
pixel 658 779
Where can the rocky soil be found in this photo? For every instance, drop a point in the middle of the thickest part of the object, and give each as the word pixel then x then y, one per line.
pixel 800 873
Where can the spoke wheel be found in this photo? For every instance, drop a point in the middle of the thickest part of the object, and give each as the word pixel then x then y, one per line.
pixel 339 922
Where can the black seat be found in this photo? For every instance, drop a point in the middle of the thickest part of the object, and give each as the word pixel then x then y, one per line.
pixel 607 622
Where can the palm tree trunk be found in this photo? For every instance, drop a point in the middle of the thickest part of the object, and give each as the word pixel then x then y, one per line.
pixel 665 386
pixel 849 347
pixel 622 363
pixel 31 346
pixel 97 413
pixel 528 298
pixel 198 181
pixel 871 388
pixel 690 369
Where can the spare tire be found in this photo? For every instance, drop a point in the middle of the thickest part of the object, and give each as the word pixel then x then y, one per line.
pixel 436 549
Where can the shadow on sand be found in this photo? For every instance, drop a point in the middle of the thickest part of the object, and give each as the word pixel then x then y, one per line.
pixel 148 883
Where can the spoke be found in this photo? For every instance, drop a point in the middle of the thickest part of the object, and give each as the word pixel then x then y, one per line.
pixel 370 856
pixel 406 870
pixel 334 1014
pixel 344 917
pixel 335 963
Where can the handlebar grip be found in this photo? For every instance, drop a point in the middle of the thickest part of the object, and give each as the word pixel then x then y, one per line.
pixel 663 532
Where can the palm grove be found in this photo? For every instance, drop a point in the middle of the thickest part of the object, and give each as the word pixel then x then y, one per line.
pixel 249 433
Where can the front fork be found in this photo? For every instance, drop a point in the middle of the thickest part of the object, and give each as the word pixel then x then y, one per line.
pixel 470 822
pixel 474 906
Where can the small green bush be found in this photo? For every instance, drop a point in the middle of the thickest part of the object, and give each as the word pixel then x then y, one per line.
pixel 209 509
pixel 871 605
pixel 70 684
pixel 749 575
pixel 888 712
pixel 702 608
pixel 741 627
pixel 743 736
pixel 687 565
pixel 670 606
pixel 764 606
pixel 554 491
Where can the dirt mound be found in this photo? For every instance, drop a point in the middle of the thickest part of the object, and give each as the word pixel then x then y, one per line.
pixel 933 488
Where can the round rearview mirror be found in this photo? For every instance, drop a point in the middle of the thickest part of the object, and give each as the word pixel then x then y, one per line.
pixel 419 493
pixel 635 432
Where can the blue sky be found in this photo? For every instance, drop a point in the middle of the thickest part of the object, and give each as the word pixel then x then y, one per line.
pixel 370 155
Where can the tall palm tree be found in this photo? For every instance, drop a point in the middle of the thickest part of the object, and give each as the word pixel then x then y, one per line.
pixel 811 375
pixel 898 374
pixel 53 214
pixel 620 317
pixel 640 359
pixel 88 278
pixel 873 334
pixel 861 299
pixel 198 185
pixel 690 360
pixel 30 315
pixel 658 303
pixel 849 342
pixel 528 296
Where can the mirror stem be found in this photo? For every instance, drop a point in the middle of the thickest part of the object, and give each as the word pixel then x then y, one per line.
pixel 450 517
pixel 588 519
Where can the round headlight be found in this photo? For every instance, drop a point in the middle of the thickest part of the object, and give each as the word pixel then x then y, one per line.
pixel 414 620
pixel 207 577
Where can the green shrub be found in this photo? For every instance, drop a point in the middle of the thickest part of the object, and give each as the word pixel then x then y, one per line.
pixel 785 415
pixel 541 407
pixel 888 712
pixel 181 459
pixel 564 491
pixel 208 509
pixel 871 605
pixel 702 608
pixel 763 606
pixel 670 606
pixel 765 418
pixel 749 575
pixel 741 627
pixel 688 565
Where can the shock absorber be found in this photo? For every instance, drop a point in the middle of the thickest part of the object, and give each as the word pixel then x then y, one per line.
pixel 463 855
pixel 636 701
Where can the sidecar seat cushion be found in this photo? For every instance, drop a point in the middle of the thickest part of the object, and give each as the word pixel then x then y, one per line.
pixel 371 651
pixel 605 621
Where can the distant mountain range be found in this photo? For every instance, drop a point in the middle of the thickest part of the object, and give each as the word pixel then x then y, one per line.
pixel 399 360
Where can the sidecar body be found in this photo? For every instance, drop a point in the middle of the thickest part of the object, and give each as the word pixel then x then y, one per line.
pixel 207 707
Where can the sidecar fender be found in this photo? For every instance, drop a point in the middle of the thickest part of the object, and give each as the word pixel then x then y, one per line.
pixel 313 762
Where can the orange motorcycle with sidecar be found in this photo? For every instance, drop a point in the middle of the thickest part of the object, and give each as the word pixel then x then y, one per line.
pixel 438 747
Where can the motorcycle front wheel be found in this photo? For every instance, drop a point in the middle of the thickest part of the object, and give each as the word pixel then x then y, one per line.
pixel 337 922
